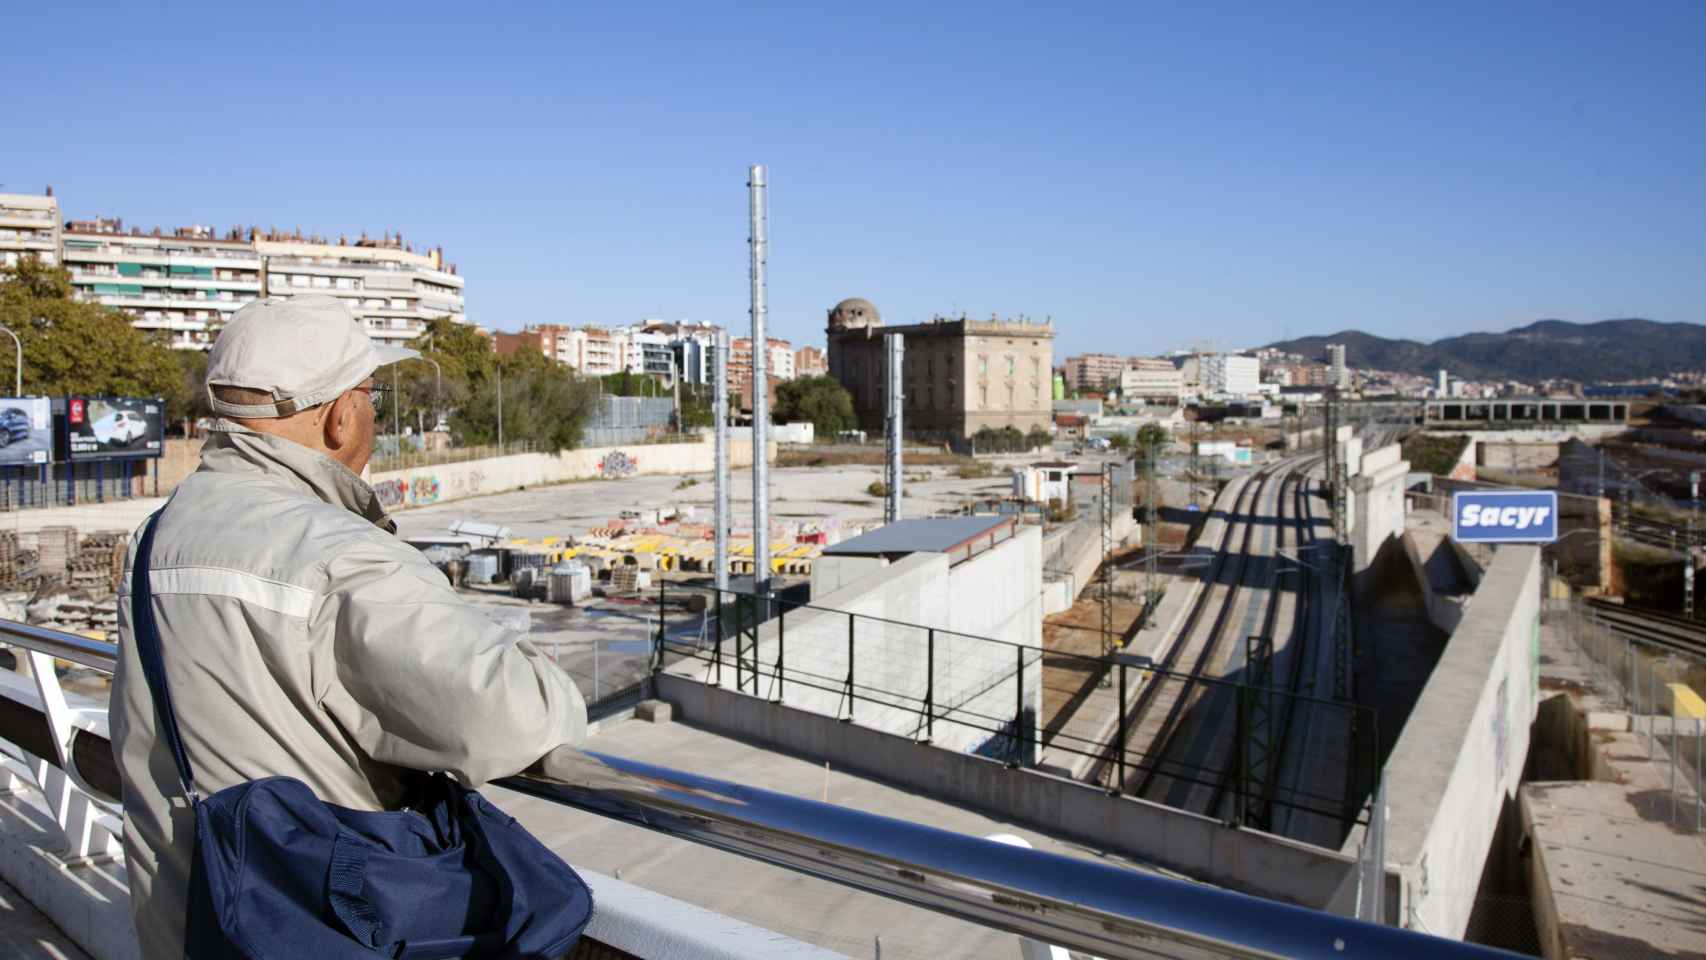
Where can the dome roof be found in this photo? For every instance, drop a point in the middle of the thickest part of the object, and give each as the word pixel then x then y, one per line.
pixel 854 312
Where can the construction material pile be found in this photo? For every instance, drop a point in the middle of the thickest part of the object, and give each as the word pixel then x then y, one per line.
pixel 18 567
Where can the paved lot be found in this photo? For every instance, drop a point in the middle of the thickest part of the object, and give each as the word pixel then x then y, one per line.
pixel 797 493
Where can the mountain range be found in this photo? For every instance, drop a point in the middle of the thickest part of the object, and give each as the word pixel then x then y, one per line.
pixel 1607 351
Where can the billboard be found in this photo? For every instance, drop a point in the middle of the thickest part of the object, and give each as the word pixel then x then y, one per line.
pixel 115 428
pixel 1504 516
pixel 26 430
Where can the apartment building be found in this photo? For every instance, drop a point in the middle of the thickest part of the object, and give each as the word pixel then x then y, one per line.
pixel 1338 375
pixel 184 286
pixel 779 360
pixel 1093 371
pixel 554 340
pixel 1230 375
pixel 1150 380
pixel 29 225
pixel 810 362
pixel 390 288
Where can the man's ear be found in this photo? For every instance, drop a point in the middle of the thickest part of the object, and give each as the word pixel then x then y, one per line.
pixel 339 428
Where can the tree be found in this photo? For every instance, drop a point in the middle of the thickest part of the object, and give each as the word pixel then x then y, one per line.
pixel 1151 437
pixel 186 402
pixel 71 347
pixel 821 400
pixel 543 402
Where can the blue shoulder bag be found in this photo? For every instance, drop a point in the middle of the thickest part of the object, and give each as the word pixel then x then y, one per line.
pixel 279 873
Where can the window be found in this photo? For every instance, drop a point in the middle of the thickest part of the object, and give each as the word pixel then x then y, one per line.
pixel 1009 364
pixel 982 365
pixel 298 280
pixel 983 396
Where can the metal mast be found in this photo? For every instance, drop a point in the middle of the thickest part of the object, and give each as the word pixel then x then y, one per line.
pixel 760 387
pixel 896 349
pixel 720 418
pixel 1107 578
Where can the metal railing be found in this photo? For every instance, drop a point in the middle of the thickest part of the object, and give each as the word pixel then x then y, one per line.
pixel 1083 905
pixel 986 696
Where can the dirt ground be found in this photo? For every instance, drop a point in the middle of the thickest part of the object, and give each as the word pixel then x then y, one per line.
pixel 1078 630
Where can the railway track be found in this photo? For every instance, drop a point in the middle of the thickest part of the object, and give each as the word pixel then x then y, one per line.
pixel 1183 703
pixel 1659 629
pixel 1146 702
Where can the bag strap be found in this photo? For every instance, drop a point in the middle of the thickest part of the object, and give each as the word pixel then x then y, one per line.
pixel 145 633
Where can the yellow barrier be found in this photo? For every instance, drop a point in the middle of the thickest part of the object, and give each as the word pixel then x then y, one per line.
pixel 1686 703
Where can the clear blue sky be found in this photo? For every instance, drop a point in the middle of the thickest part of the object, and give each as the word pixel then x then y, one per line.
pixel 1148 175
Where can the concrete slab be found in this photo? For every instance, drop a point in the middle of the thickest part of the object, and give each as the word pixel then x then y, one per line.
pixel 1612 876
pixel 814 911
pixel 27 935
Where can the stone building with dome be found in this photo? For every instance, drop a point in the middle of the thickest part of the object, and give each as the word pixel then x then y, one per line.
pixel 961 375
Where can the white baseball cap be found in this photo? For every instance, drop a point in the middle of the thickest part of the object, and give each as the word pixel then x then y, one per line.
pixel 305 351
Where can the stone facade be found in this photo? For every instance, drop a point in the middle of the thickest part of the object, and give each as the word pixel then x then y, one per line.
pixel 960 375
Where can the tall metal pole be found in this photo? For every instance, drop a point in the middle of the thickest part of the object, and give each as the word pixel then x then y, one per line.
pixel 720 406
pixel 760 387
pixel 500 371
pixel 18 377
pixel 396 411
pixel 896 345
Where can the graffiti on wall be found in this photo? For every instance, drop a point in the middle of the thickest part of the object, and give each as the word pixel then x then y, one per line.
pixel 617 465
pixel 390 492
pixel 423 489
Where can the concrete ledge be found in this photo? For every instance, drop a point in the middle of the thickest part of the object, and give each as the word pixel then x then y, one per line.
pixel 1256 863
pixel 646 924
pixel 89 901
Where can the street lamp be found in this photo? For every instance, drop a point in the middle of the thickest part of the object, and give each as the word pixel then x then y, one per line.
pixel 18 381
pixel 437 391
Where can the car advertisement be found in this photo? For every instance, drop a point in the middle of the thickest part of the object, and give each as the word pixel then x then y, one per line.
pixel 26 430
pixel 115 428
pixel 1502 516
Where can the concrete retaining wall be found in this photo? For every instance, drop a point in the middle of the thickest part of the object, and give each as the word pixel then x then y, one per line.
pixel 1515 455
pixel 1259 864
pixel 422 486
pixel 975 691
pixel 1377 503
pixel 1460 757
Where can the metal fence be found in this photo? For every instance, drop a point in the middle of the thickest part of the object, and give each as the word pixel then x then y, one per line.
pixel 64 484
pixel 386 457
pixel 1659 683
pixel 627 420
pixel 987 696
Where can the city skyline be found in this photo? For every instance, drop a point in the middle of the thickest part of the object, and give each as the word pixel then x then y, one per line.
pixel 1128 174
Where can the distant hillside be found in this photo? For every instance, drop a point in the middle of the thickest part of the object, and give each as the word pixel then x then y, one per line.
pixel 1610 350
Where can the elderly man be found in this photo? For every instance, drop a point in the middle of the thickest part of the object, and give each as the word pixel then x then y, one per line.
pixel 302 638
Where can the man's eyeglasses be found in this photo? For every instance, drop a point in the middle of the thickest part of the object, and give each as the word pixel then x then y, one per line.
pixel 378 393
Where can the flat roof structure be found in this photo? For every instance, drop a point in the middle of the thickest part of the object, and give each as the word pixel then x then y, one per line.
pixel 959 537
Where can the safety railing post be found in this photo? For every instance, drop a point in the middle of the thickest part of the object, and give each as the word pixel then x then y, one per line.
pixel 1652 701
pixel 717 652
pixel 781 645
pixel 930 685
pixel 1119 747
pixel 1241 723
pixel 850 652
pixel 657 653
pixel 1019 708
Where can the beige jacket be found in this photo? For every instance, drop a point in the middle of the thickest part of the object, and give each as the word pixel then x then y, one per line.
pixel 303 639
